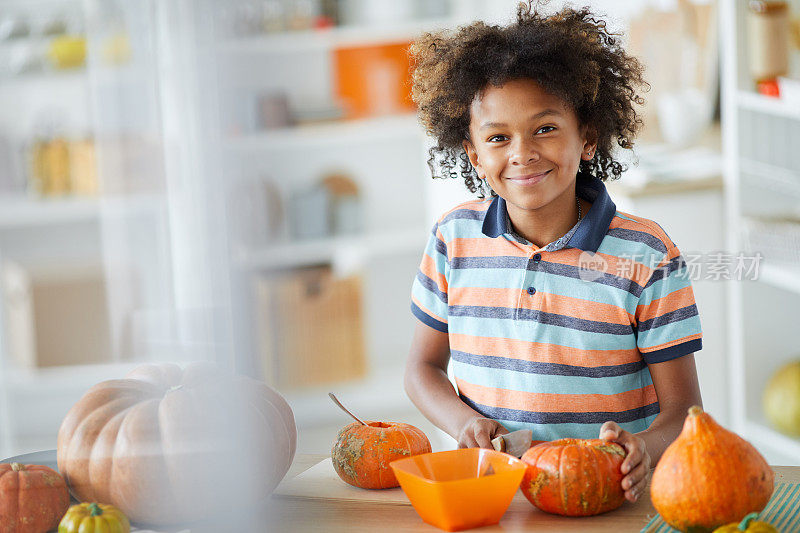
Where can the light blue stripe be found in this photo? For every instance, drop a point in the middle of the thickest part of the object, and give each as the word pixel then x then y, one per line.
pixel 769 511
pixel 791 517
pixel 428 299
pixel 492 278
pixel 533 331
pixel 624 217
pixel 669 332
pixel 663 287
pixel 634 250
pixel 549 384
pixel 789 501
pixel 576 431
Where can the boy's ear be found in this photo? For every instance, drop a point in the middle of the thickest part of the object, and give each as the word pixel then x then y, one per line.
pixel 472 155
pixel 589 143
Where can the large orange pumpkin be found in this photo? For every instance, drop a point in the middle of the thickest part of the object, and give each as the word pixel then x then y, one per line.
pixel 168 446
pixel 33 498
pixel 361 454
pixel 574 477
pixel 709 477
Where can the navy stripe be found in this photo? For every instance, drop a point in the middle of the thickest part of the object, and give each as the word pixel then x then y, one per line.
pixel 431 285
pixel 663 272
pixel 631 415
pixel 427 319
pixel 441 247
pixel 535 315
pixel 463 214
pixel 501 261
pixel 638 236
pixel 673 352
pixel 549 369
pixel 668 318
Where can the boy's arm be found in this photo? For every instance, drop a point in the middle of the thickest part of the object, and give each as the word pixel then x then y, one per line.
pixel 428 386
pixel 677 388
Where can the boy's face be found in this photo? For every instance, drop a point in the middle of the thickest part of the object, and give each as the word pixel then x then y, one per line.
pixel 527 144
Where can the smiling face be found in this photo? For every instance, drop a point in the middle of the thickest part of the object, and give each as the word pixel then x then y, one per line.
pixel 527 144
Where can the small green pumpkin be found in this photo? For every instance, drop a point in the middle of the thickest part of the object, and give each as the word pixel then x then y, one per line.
pixel 748 524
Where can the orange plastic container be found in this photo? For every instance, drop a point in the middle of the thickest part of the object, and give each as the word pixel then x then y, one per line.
pixel 453 491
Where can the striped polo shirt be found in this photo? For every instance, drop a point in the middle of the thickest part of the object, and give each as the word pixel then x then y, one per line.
pixel 557 339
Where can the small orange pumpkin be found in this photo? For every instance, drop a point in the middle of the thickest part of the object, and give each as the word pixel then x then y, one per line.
pixel 33 498
pixel 574 477
pixel 361 454
pixel 709 477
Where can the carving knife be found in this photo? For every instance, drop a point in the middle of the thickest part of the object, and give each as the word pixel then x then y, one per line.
pixel 515 443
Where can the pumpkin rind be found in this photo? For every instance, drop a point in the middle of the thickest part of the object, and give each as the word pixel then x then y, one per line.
pixel 692 488
pixel 168 445
pixel 361 454
pixel 33 498
pixel 574 477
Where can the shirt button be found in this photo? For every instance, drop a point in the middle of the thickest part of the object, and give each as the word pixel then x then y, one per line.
pixel 531 291
pixel 537 257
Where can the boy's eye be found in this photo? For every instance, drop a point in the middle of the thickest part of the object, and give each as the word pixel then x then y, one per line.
pixel 497 138
pixel 548 128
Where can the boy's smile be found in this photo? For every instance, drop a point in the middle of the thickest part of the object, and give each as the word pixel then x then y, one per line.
pixel 527 144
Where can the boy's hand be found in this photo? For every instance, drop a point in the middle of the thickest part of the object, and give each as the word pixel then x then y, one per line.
pixel 479 432
pixel 636 466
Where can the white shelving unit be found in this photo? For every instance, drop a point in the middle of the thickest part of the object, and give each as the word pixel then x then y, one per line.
pixel 760 139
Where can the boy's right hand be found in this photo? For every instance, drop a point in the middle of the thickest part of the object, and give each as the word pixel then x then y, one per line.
pixel 479 432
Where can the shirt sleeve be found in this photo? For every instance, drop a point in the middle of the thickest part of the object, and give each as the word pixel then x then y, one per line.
pixel 667 321
pixel 429 291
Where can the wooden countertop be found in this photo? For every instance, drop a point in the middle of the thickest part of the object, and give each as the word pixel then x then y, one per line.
pixel 295 514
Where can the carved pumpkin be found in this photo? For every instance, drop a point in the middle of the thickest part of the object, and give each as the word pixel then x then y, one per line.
pixel 33 498
pixel 361 454
pixel 168 446
pixel 574 477
pixel 692 488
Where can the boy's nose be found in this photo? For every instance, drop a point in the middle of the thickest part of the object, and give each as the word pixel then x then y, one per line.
pixel 524 152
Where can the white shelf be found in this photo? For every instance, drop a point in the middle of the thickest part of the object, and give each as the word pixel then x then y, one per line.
pixel 773 177
pixel 55 380
pixel 25 211
pixel 781 276
pixel 337 37
pixel 331 134
pixel 766 104
pixel 766 439
pixel 333 250
pixel 377 395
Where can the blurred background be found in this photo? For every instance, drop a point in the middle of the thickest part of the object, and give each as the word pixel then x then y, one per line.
pixel 246 182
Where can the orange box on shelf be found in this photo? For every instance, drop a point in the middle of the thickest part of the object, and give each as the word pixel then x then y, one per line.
pixel 373 80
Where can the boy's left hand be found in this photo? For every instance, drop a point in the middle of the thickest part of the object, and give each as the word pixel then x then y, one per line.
pixel 636 466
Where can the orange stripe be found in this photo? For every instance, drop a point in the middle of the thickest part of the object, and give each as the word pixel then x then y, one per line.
pixel 666 304
pixel 550 303
pixel 557 403
pixel 477 247
pixel 540 352
pixel 672 343
pixel 428 267
pixel 427 311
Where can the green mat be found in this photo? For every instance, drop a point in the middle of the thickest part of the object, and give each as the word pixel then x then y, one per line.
pixel 782 511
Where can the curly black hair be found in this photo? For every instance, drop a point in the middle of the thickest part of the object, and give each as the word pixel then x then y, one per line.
pixel 570 54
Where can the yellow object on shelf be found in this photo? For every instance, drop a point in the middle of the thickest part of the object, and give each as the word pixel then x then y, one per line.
pixel 68 51
pixel 94 517
pixel 749 524
pixel 782 399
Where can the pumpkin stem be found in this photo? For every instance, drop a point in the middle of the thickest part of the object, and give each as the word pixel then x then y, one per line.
pixel 695 410
pixel 16 467
pixel 745 523
pixel 95 510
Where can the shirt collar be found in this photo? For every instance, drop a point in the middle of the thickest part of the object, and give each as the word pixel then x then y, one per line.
pixel 589 233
